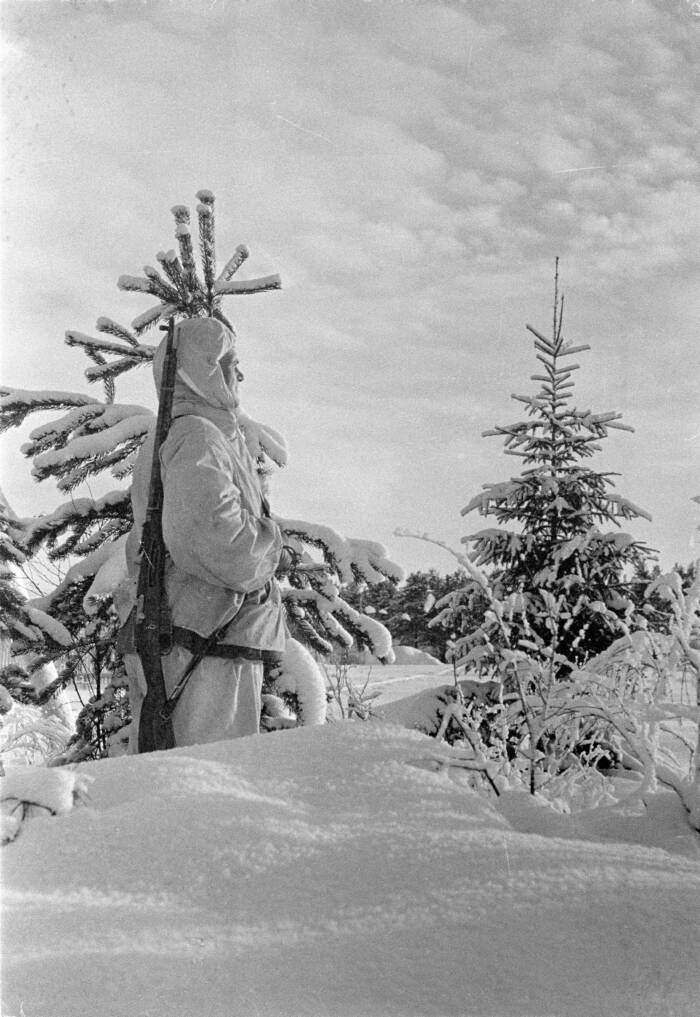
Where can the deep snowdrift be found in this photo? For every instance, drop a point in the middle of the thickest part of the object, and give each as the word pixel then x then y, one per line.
pixel 332 872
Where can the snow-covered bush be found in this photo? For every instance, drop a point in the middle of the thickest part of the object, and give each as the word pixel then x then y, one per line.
pixel 646 687
pixel 636 706
pixel 37 717
pixel 30 735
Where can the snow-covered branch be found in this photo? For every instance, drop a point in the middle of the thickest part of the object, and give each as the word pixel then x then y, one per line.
pixel 17 403
pixel 268 282
pixel 475 573
pixel 86 342
pixel 114 434
pixel 262 439
pixel 240 255
pixel 328 607
pixel 351 559
pixel 86 568
pixel 80 512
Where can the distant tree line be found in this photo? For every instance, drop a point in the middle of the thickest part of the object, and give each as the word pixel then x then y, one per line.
pixel 411 611
pixel 408 610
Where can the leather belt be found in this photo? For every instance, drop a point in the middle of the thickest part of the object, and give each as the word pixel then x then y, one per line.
pixel 195 643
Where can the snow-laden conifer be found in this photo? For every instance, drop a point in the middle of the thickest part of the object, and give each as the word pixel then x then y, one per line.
pixel 561 574
pixel 550 577
pixel 22 621
pixel 88 437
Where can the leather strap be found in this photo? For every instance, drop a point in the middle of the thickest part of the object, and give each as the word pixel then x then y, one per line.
pixel 195 643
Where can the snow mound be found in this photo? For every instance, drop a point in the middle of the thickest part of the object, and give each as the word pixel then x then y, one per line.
pixel 335 870
pixel 412 655
pixel 403 655
pixel 421 711
pixel 38 792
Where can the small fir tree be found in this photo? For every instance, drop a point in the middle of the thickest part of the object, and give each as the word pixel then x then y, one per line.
pixel 563 581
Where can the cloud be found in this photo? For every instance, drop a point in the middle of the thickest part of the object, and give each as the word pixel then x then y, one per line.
pixel 410 169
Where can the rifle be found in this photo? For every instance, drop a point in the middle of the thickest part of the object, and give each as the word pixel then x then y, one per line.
pixel 153 628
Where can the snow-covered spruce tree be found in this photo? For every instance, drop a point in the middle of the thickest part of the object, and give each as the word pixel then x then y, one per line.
pixel 563 579
pixel 555 579
pixel 92 437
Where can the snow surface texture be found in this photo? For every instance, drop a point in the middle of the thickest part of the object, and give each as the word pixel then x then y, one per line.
pixel 336 872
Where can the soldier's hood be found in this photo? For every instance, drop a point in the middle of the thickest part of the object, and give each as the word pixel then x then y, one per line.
pixel 200 384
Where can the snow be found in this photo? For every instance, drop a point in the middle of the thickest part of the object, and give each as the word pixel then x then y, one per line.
pixel 51 626
pixel 30 734
pixel 234 263
pixel 419 708
pixel 625 504
pixel 410 655
pixel 95 444
pixel 268 282
pixel 37 397
pixel 329 604
pixel 263 438
pixel 38 526
pixel 109 555
pixel 111 573
pixel 347 556
pixel 300 674
pixel 41 792
pixel 64 425
pixel 343 870
pixel 142 321
pixel 134 282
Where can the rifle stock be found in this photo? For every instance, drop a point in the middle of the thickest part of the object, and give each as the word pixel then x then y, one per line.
pixel 152 617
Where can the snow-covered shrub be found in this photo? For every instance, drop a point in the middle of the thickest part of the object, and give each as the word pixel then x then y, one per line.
pixel 635 706
pixel 31 736
pixel 348 700
pixel 646 688
pixel 38 718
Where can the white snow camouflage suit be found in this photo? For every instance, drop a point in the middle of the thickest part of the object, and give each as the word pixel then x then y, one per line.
pixel 223 548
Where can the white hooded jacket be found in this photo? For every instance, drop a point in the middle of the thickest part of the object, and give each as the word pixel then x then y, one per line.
pixel 223 548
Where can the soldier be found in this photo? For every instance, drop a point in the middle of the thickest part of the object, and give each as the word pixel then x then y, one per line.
pixel 223 549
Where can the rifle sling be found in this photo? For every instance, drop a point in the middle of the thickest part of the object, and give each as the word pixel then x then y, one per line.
pixel 197 645
pixel 200 648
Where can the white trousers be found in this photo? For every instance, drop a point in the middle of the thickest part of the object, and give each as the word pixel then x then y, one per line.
pixel 222 698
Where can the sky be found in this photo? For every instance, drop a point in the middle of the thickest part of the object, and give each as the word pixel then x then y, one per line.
pixel 411 170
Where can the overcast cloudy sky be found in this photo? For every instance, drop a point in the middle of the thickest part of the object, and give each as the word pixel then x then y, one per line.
pixel 411 169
